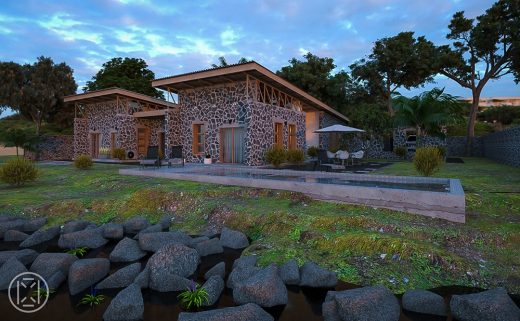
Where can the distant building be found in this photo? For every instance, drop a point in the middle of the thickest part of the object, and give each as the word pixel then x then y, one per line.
pixel 495 101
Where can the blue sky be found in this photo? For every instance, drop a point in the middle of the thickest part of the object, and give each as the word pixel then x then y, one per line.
pixel 182 36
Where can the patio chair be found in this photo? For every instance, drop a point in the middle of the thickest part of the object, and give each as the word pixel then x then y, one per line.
pixel 176 158
pixel 357 155
pixel 151 158
pixel 343 156
pixel 326 159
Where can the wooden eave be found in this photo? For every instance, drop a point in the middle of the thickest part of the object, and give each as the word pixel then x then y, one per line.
pixel 104 95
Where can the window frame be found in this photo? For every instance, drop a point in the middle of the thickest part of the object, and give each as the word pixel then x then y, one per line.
pixel 292 140
pixel 198 130
pixel 278 134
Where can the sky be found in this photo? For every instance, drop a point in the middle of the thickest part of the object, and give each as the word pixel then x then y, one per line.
pixel 181 36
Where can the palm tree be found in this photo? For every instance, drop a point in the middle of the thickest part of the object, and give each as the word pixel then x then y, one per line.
pixel 428 112
pixel 223 63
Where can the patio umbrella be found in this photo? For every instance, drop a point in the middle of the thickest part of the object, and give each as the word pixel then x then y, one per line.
pixel 339 129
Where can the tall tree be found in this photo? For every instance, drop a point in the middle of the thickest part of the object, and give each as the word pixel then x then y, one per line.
pixel 127 73
pixel 12 80
pixel 483 49
pixel 395 62
pixel 222 62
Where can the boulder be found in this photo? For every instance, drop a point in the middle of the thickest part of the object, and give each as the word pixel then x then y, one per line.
pixel 135 225
pixel 5 218
pixel 489 305
pixel 152 242
pixel 34 224
pixel 86 272
pixel 91 238
pixel 214 287
pixel 25 256
pixel 198 239
pixel 209 247
pixel 367 303
pixel 264 288
pixel 170 261
pixel 74 226
pixel 249 312
pixel 152 229
pixel 127 305
pixel 165 222
pixel 13 224
pixel 15 236
pixel 121 278
pixel 245 261
pixel 46 264
pixel 219 269
pixel 423 301
pixel 314 276
pixel 127 250
pixel 143 278
pixel 233 239
pixel 41 236
pixel 241 273
pixel 172 283
pixel 56 280
pixel 9 270
pixel 290 273
pixel 113 231
pixel 92 226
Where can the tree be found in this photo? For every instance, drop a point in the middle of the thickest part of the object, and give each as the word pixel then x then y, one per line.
pixel 428 112
pixel 372 118
pixel 395 62
pixel 10 87
pixel 127 73
pixel 19 138
pixel 222 62
pixel 483 49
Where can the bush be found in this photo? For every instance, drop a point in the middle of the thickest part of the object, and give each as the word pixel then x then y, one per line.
pixel 18 171
pixel 427 160
pixel 400 151
pixel 275 156
pixel 83 162
pixel 442 151
pixel 295 156
pixel 119 153
pixel 312 151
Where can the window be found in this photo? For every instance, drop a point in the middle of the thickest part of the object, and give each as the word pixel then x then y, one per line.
pixel 292 136
pixel 112 142
pixel 278 135
pixel 198 139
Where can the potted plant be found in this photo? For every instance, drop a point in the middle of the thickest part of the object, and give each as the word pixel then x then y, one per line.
pixel 207 159
pixel 104 152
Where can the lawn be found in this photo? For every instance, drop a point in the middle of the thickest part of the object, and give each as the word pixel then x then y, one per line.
pixel 363 244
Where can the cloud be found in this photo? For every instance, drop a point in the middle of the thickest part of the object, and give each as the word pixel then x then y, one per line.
pixel 229 36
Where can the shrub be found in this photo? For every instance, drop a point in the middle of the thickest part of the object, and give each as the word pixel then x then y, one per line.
pixel 312 151
pixel 193 297
pixel 83 162
pixel 18 171
pixel 400 151
pixel 119 153
pixel 442 151
pixel 295 156
pixel 427 160
pixel 275 156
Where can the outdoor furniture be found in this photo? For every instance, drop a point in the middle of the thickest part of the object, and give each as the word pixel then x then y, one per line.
pixel 326 159
pixel 357 155
pixel 176 158
pixel 151 158
pixel 342 155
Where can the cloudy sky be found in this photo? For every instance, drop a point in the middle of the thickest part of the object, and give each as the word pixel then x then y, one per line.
pixel 182 36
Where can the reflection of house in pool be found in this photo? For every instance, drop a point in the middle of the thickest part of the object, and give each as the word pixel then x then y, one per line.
pixel 232 113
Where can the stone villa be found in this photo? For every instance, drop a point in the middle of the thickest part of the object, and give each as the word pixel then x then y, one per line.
pixel 233 113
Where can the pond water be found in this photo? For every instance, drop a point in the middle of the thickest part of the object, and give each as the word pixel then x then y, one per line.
pixel 304 303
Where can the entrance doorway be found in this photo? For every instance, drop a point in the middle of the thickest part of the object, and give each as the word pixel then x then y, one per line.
pixel 94 145
pixel 232 145
pixel 143 138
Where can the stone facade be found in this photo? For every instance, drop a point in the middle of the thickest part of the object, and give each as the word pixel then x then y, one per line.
pixel 503 147
pixel 54 148
pixel 327 120
pixel 456 146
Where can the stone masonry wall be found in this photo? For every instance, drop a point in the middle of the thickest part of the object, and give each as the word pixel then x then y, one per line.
pixel 59 147
pixel 503 147
pixel 81 141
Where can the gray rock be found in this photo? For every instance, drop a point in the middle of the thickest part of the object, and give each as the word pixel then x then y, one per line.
pixel 113 231
pixel 314 276
pixel 34 224
pixel 121 278
pixel 74 226
pixel 491 305
pixel 46 264
pixel 15 236
pixel 172 283
pixel 170 261
pixel 25 256
pixel 5 218
pixel 143 278
pixel 127 250
pixel 241 273
pixel 233 239
pixel 165 221
pixel 249 312
pixel 219 269
pixel 127 305
pixel 198 239
pixel 214 287
pixel 152 229
pixel 423 301
pixel 368 303
pixel 245 261
pixel 86 272
pixel 41 236
pixel 209 247
pixel 290 273
pixel 152 242
pixel 14 224
pixel 92 226
pixel 135 225
pixel 264 288
pixel 91 238
pixel 56 280
pixel 9 270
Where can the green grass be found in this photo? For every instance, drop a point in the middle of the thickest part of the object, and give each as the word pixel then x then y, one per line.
pixel 362 244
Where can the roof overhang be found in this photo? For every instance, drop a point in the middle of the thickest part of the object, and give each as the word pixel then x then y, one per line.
pixel 150 113
pixel 239 72
pixel 114 93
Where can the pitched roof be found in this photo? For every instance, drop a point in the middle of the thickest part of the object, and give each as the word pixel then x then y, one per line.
pixel 107 94
pixel 238 72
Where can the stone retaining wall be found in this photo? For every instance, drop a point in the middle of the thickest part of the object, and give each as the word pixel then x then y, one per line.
pixel 503 147
pixel 54 148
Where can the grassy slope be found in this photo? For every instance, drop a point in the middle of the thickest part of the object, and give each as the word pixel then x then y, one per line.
pixel 420 252
pixel 47 129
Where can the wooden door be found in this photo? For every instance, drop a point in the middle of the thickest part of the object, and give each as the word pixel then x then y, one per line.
pixel 142 141
pixel 94 145
pixel 232 145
